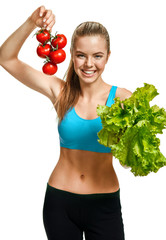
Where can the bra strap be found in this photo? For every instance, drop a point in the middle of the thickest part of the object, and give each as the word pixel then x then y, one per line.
pixel 111 95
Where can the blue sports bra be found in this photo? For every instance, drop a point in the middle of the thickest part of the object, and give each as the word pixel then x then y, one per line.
pixel 79 133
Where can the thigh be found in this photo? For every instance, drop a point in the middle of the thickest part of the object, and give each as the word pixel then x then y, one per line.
pixel 58 224
pixel 108 229
pixel 103 218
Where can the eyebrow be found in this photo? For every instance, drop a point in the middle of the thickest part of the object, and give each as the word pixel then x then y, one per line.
pixel 93 54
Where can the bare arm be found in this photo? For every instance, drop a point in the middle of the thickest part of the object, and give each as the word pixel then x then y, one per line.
pixel 37 80
pixel 123 93
pixel 11 47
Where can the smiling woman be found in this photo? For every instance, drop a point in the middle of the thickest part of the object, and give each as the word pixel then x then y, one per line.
pixel 138 53
pixel 85 167
pixel 90 51
pixel 83 188
pixel 89 57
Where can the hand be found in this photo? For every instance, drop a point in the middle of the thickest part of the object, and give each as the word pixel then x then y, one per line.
pixel 41 14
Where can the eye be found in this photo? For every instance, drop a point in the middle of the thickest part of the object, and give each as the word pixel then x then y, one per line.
pixel 80 55
pixel 98 56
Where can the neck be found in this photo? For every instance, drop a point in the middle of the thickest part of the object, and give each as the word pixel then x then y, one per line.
pixel 89 90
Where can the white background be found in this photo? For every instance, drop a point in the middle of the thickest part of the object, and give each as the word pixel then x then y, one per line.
pixel 28 128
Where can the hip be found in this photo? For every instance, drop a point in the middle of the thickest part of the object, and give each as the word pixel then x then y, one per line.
pixel 98 215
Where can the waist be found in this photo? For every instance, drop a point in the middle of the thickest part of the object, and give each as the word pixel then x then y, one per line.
pixel 84 172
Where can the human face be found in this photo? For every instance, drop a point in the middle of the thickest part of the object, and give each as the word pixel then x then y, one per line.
pixel 89 57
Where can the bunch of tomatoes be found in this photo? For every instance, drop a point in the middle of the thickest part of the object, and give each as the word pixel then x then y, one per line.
pixel 50 48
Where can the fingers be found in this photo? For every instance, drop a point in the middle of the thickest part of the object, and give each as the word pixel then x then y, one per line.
pixel 47 14
pixel 49 22
pixel 41 11
pixel 48 18
pixel 50 25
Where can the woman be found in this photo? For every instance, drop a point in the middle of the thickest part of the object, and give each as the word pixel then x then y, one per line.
pixel 83 193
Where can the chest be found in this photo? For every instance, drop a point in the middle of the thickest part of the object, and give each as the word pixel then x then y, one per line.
pixel 74 128
pixel 86 111
pixel 79 130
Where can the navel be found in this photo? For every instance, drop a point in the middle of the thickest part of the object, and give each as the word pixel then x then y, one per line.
pixel 82 176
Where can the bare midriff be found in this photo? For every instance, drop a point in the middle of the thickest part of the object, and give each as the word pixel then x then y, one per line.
pixel 84 172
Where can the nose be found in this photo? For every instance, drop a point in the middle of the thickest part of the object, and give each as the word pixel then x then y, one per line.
pixel 89 62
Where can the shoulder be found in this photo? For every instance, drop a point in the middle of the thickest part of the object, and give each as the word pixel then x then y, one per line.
pixel 123 93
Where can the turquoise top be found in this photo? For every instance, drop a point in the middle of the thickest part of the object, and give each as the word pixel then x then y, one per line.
pixel 79 133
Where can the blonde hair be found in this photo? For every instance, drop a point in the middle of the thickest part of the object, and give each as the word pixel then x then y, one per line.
pixel 71 90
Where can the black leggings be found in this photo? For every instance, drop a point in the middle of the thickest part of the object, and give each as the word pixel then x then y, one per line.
pixel 67 215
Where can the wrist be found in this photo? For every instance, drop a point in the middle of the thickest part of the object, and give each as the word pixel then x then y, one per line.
pixel 31 23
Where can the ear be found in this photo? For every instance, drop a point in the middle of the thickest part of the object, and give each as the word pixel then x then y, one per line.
pixel 108 55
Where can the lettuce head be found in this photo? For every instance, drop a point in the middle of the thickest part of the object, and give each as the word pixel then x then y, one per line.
pixel 129 128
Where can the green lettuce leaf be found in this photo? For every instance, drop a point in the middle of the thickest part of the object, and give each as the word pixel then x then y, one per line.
pixel 130 131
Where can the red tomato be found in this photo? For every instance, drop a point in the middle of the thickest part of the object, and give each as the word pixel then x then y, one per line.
pixel 57 56
pixel 50 68
pixel 43 50
pixel 43 35
pixel 61 40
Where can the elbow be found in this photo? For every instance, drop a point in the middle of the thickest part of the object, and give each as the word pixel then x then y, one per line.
pixel 5 56
pixel 2 57
pixel 4 60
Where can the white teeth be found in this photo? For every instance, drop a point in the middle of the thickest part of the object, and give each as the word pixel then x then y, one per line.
pixel 89 72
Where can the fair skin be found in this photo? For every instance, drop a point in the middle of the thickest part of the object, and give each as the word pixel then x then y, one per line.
pixel 23 72
pixel 90 57
pixel 77 171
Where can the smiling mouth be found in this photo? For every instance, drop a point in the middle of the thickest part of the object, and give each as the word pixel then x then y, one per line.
pixel 89 73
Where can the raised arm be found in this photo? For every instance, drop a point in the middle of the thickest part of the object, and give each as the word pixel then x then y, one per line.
pixel 37 80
